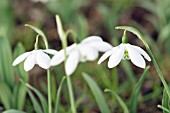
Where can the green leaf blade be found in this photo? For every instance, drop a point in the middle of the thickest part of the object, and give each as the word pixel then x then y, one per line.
pixel 97 94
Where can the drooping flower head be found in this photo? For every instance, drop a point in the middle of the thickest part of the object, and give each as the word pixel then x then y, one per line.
pixel 125 51
pixel 36 56
pixel 87 50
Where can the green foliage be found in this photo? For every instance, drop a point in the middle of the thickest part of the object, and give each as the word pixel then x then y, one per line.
pixel 12 93
pixel 13 111
pixel 97 93
pixel 136 91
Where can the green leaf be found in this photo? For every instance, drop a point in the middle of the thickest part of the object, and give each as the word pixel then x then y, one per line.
pixel 5 95
pixel 19 69
pixel 13 111
pixel 21 94
pixel 40 96
pixel 137 90
pixel 165 101
pixel 58 94
pixel 121 102
pixel 164 109
pixel 97 94
pixel 35 103
pixel 6 69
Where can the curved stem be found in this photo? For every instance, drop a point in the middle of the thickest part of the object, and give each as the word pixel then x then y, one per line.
pixel 159 72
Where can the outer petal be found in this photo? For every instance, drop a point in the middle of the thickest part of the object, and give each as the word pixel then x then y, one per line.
pixel 88 53
pixel 116 57
pixel 72 62
pixel 43 60
pixel 21 58
pixel 101 46
pixel 91 39
pixel 135 57
pixel 30 62
pixel 141 51
pixel 50 51
pixel 58 58
pixel 106 55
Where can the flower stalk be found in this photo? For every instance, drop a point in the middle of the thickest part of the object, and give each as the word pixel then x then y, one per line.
pixel 63 36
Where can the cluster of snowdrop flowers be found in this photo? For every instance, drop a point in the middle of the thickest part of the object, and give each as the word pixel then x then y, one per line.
pixel 87 50
pixel 125 51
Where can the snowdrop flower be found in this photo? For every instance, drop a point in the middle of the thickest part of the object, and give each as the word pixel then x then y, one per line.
pixel 125 51
pixel 31 58
pixel 87 50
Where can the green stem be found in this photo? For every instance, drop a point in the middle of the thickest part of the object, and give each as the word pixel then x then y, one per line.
pixel 70 89
pixel 159 72
pixel 69 84
pixel 49 92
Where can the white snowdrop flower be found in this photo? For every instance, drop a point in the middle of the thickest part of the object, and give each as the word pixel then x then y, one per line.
pixel 125 51
pixel 87 50
pixel 38 57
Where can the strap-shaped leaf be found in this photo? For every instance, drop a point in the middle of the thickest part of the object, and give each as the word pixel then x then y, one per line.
pixel 19 69
pixel 165 101
pixel 6 69
pixel 13 111
pixel 121 102
pixel 137 90
pixel 58 94
pixel 5 95
pixel 97 94
pixel 35 103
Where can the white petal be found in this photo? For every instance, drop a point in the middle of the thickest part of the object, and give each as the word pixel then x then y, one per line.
pixel 92 39
pixel 21 58
pixel 43 60
pixel 88 53
pixel 50 51
pixel 71 48
pixel 116 57
pixel 141 51
pixel 30 62
pixel 136 58
pixel 59 27
pixel 101 46
pixel 72 62
pixel 58 58
pixel 106 55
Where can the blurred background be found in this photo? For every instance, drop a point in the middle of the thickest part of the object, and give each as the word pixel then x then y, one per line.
pixel 86 17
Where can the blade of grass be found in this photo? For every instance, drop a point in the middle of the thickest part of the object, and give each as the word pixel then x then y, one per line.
pixel 35 103
pixel 13 111
pixel 5 95
pixel 58 94
pixel 164 109
pixel 121 102
pixel 137 90
pixel 97 93
pixel 165 101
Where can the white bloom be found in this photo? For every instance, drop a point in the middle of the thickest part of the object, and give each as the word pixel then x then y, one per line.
pixel 87 50
pixel 125 51
pixel 31 58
